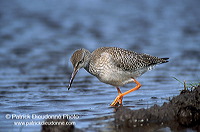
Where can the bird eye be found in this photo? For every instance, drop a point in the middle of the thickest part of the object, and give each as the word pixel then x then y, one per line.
pixel 81 61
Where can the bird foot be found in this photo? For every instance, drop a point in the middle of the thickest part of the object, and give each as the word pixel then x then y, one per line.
pixel 117 101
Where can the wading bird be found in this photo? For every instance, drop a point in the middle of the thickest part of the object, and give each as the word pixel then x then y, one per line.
pixel 114 66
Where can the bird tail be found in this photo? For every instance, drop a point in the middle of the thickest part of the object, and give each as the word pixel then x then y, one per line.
pixel 165 60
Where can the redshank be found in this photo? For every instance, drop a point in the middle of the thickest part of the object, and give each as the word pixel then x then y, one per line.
pixel 114 66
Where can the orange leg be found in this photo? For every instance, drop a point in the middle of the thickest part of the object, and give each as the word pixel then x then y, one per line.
pixel 118 90
pixel 118 99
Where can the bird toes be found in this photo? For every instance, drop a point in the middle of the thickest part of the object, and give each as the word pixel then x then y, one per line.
pixel 117 101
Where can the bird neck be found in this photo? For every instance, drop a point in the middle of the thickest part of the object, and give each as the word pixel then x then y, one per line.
pixel 87 56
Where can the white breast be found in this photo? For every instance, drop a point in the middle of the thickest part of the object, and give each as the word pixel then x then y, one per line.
pixel 109 73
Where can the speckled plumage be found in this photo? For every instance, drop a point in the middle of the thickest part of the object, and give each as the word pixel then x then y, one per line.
pixel 112 65
pixel 116 66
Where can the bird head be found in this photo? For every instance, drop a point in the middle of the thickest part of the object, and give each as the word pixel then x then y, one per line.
pixel 79 59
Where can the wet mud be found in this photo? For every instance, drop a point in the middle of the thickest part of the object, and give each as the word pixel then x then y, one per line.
pixel 181 112
pixel 58 127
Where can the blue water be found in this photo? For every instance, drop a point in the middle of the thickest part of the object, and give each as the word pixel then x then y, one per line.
pixel 38 37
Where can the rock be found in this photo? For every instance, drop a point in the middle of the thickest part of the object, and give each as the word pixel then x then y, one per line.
pixel 57 125
pixel 183 111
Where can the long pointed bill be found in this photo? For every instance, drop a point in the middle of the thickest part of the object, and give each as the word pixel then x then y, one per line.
pixel 72 77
